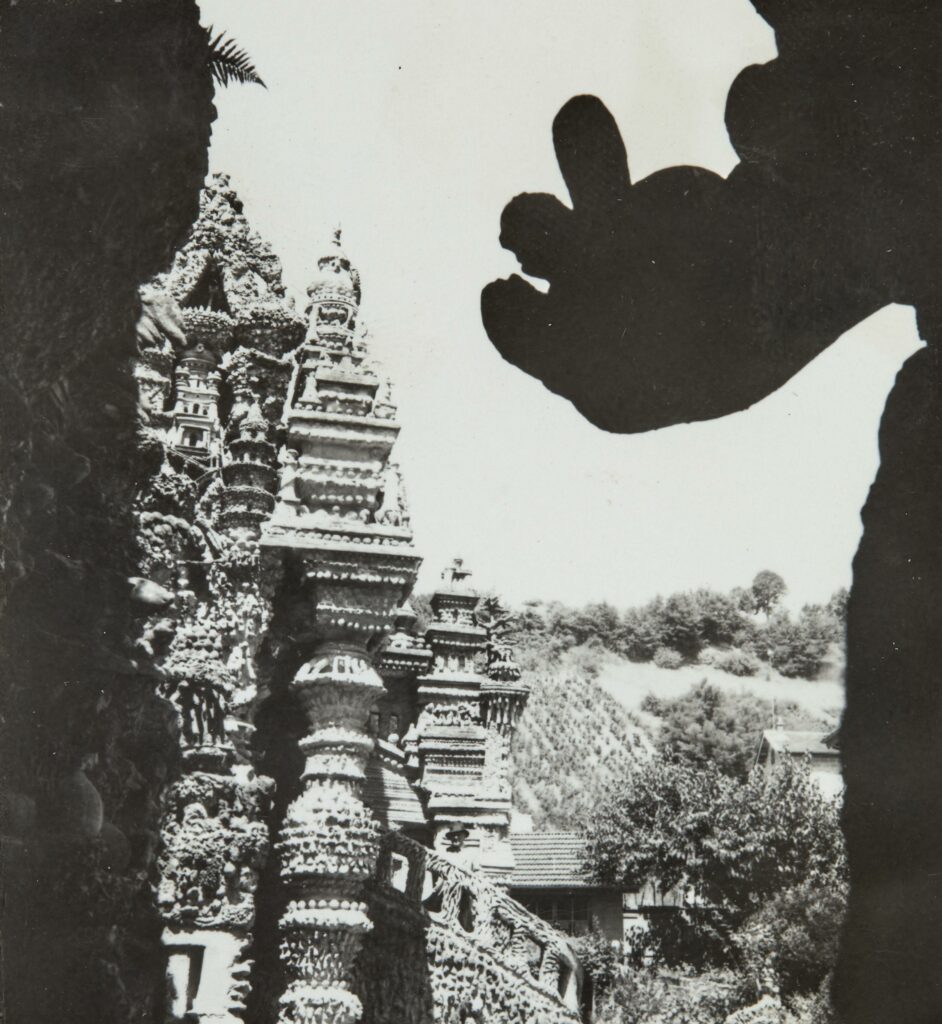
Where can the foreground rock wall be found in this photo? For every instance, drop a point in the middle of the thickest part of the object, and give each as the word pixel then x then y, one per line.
pixel 110 106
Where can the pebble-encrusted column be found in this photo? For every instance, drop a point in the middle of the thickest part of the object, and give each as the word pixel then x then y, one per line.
pixel 329 842
pixel 342 527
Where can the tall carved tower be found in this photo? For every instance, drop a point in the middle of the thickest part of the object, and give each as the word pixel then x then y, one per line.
pixel 276 561
pixel 339 529
pixel 469 701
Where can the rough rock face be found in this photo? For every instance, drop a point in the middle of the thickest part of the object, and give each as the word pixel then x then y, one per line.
pixel 110 106
pixel 890 733
pixel 686 296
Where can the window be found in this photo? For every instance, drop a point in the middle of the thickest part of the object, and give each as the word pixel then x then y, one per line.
pixel 566 910
pixel 193 438
pixel 398 871
pixel 466 910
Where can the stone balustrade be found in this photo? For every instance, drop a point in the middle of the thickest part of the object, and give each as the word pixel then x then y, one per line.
pixel 476 954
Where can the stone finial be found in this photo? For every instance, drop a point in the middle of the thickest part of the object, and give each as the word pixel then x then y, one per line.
pixel 254 425
pixel 455 574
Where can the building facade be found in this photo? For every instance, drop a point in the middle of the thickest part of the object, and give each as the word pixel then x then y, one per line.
pixel 551 879
pixel 336 844
pixel 820 749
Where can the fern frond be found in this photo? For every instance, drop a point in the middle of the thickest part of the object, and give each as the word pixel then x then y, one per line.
pixel 229 62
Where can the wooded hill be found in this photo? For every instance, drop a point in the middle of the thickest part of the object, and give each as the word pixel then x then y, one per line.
pixel 573 742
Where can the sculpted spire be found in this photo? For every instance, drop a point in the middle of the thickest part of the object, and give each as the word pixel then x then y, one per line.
pixel 357 566
pixel 288 533
pixel 334 299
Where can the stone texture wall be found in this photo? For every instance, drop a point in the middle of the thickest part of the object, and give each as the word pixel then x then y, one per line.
pixel 448 946
pixel 139 631
pixel 110 106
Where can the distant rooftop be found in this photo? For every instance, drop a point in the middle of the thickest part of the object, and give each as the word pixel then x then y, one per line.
pixel 549 860
pixel 795 741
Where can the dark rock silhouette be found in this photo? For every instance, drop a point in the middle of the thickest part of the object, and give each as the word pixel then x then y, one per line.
pixel 107 110
pixel 687 296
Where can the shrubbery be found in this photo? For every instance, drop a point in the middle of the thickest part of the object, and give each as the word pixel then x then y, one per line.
pixel 761 863
pixel 649 997
pixel 738 662
pixel 738 632
pixel 667 657
pixel 598 958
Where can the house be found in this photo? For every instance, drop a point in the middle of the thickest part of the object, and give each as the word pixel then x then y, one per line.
pixel 550 879
pixel 821 747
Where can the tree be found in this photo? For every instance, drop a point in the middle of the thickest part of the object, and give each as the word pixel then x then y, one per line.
pixel 796 934
pixel 228 62
pixel 680 625
pixel 707 727
pixel 722 623
pixel 529 620
pixel 733 845
pixel 837 606
pixel 642 631
pixel 599 620
pixel 799 649
pixel 768 588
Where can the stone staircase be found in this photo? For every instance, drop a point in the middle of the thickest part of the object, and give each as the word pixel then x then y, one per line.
pixel 448 946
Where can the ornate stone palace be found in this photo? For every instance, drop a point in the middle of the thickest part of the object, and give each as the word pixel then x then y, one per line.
pixel 335 846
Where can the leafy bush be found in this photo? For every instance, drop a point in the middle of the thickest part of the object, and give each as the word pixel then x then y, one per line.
pixel 733 845
pixel 666 657
pixel 738 663
pixel 648 997
pixel 597 957
pixel 796 934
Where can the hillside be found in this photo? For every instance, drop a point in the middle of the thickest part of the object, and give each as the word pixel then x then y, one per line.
pixel 629 683
pixel 585 724
pixel 573 741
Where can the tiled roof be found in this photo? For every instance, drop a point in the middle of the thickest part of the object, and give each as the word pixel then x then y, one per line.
pixel 549 860
pixel 798 742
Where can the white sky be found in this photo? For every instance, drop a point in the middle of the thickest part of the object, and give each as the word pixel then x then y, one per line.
pixel 412 123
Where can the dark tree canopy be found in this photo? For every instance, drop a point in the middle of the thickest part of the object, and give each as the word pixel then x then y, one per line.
pixel 734 844
pixel 768 588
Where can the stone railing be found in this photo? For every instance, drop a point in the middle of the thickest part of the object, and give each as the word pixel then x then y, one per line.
pixel 471 953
